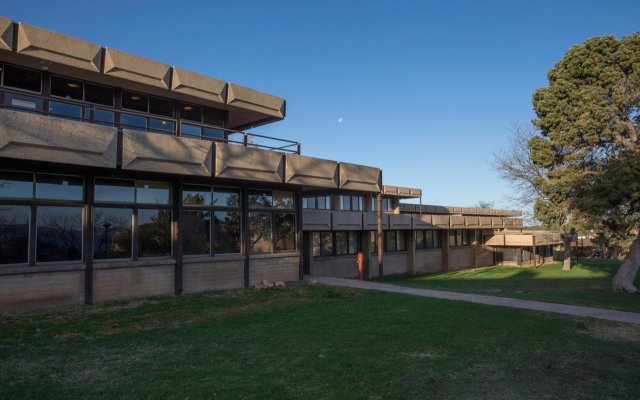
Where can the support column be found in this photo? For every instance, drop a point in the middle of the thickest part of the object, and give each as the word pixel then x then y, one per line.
pixel 299 244
pixel 535 257
pixel 519 256
pixel 365 241
pixel 411 252
pixel 246 237
pixel 445 250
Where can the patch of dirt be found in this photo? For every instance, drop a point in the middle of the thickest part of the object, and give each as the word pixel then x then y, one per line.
pixel 611 331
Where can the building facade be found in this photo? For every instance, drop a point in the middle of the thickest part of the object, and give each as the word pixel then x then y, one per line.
pixel 123 177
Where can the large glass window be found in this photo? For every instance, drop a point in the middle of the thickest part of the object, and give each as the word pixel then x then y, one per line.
pixel 317 202
pixel 59 234
pixel 148 203
pixel 66 87
pixel 112 233
pixel 135 101
pixel 260 232
pixel 205 235
pixel 160 106
pixel 14 234
pixel 322 243
pixel 65 110
pixel 226 232
pixel 22 78
pixel 428 239
pixel 395 241
pixel 98 94
pixel 59 187
pixel 386 204
pixel 351 203
pixel 154 233
pixel 134 122
pixel 271 229
pixel 58 229
pixel 16 185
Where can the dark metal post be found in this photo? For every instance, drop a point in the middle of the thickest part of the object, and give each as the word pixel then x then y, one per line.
pixel 299 245
pixel 246 237
pixel 88 242
pixel 380 239
pixel 177 234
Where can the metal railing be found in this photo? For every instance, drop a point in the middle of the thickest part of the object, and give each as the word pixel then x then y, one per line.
pixel 87 112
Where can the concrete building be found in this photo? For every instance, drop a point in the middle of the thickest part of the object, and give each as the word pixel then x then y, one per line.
pixel 123 177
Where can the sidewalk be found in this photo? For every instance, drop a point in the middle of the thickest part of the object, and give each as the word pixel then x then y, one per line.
pixel 579 311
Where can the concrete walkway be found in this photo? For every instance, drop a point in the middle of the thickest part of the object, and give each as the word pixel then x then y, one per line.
pixel 579 311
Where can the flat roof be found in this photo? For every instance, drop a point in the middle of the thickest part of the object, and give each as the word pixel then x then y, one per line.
pixel 38 48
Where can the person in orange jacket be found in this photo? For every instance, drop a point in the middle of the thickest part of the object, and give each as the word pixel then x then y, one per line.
pixel 360 263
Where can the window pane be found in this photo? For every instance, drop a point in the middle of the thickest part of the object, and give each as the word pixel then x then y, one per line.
pixel 437 239
pixel 320 203
pixel 285 232
pixel 112 233
pixel 191 112
pixel 196 238
pixel 66 87
pixel 103 117
pixel 59 231
pixel 23 102
pixel 315 238
pixel 22 78
pixel 148 192
pixel 161 106
pixel 466 238
pixel 282 199
pixel 119 190
pixel 345 203
pixel 154 233
pixel 226 235
pixel 354 246
pixel 342 243
pixel 401 243
pixel 190 130
pixel 98 94
pixel 17 185
pixel 58 187
pixel 459 237
pixel 161 125
pixel 326 243
pixel 134 122
pixel 260 232
pixel 309 202
pixel 356 203
pixel 213 116
pixel 67 110
pixel 14 234
pixel 260 199
pixel 452 238
pixel 390 242
pixel 134 101
pixel 213 134
pixel 420 243
pixel 196 195
pixel 226 197
pixel 429 243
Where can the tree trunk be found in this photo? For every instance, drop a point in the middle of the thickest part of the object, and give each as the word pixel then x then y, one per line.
pixel 614 253
pixel 623 280
pixel 567 252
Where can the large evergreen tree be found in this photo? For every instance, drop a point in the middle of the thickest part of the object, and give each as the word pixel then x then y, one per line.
pixel 589 120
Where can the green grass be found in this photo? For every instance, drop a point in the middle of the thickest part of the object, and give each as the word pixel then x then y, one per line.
pixel 588 283
pixel 313 342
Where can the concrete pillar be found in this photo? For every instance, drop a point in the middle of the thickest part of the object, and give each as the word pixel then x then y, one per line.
pixel 519 256
pixel 365 245
pixel 445 249
pixel 411 252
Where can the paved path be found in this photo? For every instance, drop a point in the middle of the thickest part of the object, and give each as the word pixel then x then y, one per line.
pixel 611 315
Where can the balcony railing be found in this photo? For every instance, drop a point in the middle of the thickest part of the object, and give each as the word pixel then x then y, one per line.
pixel 129 119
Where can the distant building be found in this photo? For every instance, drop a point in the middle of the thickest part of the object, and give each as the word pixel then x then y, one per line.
pixel 123 177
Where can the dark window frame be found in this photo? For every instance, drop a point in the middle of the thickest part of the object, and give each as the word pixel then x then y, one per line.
pixel 135 206
pixel 212 208
pixel 34 203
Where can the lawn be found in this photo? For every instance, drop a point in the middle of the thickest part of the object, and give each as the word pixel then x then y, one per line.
pixel 313 342
pixel 588 283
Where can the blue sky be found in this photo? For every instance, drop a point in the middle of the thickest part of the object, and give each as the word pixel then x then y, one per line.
pixel 427 91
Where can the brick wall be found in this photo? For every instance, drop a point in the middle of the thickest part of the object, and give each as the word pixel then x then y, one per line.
pixel 273 268
pixel 21 291
pixel 130 280
pixel 427 261
pixel 211 274
pixel 340 266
